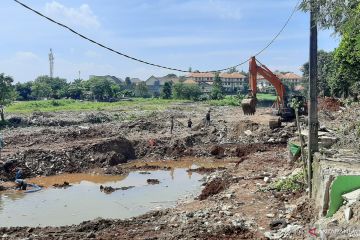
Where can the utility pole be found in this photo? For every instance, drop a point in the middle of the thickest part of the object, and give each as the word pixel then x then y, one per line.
pixel 313 145
pixel 51 61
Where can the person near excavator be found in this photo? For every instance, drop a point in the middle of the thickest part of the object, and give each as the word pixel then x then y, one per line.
pixel 21 184
pixel 207 119
pixel 2 144
pixel 189 123
pixel 171 124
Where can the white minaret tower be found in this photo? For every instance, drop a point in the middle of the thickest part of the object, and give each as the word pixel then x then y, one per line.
pixel 51 61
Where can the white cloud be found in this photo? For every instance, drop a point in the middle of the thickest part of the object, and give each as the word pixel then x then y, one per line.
pixel 25 56
pixel 90 53
pixel 81 16
pixel 210 8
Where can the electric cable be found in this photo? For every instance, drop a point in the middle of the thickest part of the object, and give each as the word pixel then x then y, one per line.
pixel 154 64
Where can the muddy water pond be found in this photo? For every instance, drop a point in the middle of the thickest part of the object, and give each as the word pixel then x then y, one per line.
pixel 84 200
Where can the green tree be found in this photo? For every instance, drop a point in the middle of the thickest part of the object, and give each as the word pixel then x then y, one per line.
pixel 347 62
pixel 128 84
pixel 24 91
pixel 46 86
pixel 76 89
pixel 186 91
pixel 40 90
pixel 338 15
pixel 101 88
pixel 232 70
pixel 217 91
pixel 7 93
pixel 326 71
pixel 141 90
pixel 166 91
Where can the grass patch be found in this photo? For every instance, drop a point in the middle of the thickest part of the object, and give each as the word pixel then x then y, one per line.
pixel 292 183
pixel 75 105
pixel 227 101
pixel 265 97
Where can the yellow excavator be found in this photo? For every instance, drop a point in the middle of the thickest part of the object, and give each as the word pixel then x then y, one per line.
pixel 282 101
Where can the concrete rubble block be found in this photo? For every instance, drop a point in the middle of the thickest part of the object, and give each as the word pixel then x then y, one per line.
pixel 348 214
pixel 248 133
pixel 352 197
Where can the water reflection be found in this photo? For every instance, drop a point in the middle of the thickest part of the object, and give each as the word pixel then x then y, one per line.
pixel 83 201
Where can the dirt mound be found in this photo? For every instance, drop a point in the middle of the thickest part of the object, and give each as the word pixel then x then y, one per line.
pixel 244 125
pixel 214 187
pixel 329 104
pixel 108 152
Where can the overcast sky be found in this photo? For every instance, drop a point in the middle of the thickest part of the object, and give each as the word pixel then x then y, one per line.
pixel 202 34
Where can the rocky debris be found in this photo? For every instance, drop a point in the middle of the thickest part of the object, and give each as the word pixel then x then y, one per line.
pixel 109 152
pixel 352 197
pixel 144 173
pixel 152 181
pixel 348 214
pixel 109 189
pixel 215 184
pixel 2 188
pixel 217 151
pixel 329 104
pixel 63 185
pixel 277 224
pixel 98 117
pixel 284 233
pixel 204 170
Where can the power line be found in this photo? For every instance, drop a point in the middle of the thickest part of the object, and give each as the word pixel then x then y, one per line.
pixel 153 64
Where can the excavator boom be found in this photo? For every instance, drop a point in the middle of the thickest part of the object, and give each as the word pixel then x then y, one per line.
pixel 249 103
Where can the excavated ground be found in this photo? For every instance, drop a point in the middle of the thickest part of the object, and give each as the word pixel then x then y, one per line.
pixel 232 204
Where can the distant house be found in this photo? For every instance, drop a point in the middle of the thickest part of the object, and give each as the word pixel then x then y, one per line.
pixel 135 80
pixel 290 77
pixel 264 85
pixel 108 77
pixel 231 82
pixel 155 84
pixel 206 87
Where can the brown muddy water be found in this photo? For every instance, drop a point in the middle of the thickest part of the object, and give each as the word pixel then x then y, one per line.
pixel 84 200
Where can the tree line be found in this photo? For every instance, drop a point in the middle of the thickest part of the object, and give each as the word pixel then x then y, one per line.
pixel 339 70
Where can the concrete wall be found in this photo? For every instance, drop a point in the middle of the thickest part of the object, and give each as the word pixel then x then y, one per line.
pixel 327 168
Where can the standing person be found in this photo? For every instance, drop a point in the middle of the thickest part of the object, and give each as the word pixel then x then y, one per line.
pixel 172 124
pixel 1 144
pixel 207 119
pixel 189 123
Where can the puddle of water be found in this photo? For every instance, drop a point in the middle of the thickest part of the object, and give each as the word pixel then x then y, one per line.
pixel 84 201
pixel 183 163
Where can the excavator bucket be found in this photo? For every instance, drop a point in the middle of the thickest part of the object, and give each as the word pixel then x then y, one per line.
pixel 249 106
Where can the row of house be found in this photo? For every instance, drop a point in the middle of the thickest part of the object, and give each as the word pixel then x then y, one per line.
pixel 232 82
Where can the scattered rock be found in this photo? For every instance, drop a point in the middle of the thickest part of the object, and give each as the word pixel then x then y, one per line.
pixel 153 181
pixel 352 197
pixel 64 185
pixel 348 214
pixel 217 151
pixel 109 189
pixel 277 224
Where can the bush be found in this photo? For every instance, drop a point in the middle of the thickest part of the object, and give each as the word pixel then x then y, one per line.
pixel 227 101
pixel 291 183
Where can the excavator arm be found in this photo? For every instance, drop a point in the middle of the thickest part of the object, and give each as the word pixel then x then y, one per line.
pixel 249 104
